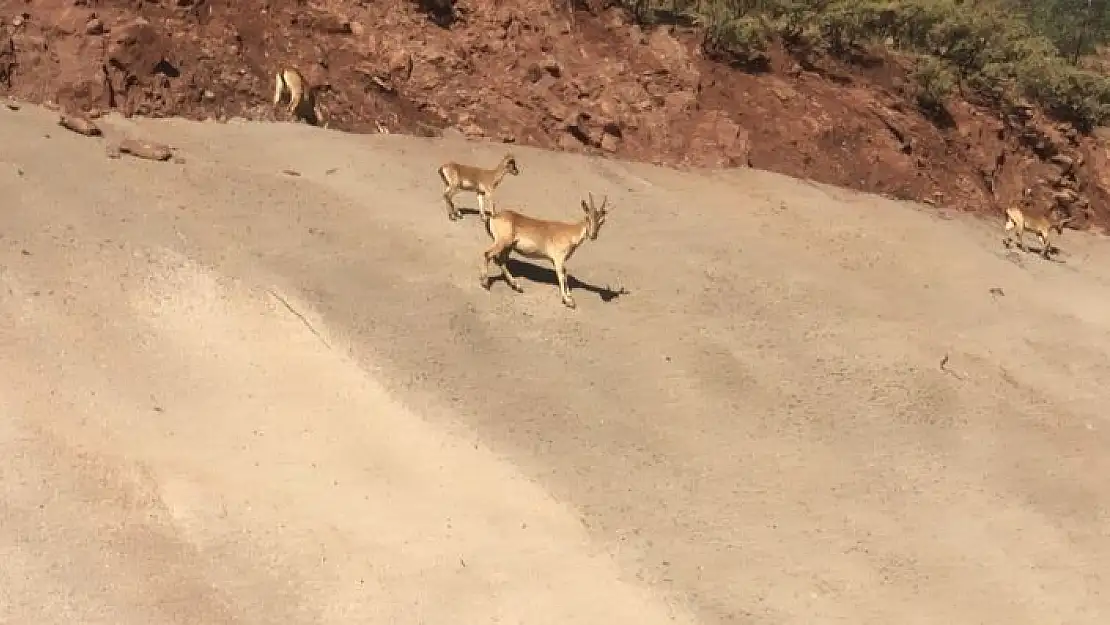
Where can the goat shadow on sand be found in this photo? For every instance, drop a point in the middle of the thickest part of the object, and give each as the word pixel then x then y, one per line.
pixel 1017 254
pixel 543 275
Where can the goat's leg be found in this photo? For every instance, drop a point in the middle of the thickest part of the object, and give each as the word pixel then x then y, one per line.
pixel 279 87
pixel 485 205
pixel 1046 247
pixel 564 290
pixel 481 203
pixel 294 104
pixel 503 260
pixel 448 194
pixel 491 253
pixel 483 271
pixel 317 113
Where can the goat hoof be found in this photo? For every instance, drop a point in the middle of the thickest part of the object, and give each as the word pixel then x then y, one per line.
pixel 516 287
pixel 569 302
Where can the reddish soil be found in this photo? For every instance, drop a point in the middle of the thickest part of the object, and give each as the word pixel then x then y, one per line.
pixel 529 72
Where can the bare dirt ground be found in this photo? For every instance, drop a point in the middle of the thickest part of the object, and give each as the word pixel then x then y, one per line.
pixel 235 395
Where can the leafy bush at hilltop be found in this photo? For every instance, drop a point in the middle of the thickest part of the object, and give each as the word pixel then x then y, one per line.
pixel 994 48
pixel 1077 27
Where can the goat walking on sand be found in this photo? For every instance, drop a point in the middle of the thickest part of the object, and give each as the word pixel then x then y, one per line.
pixel 303 97
pixel 555 241
pixel 1019 221
pixel 482 182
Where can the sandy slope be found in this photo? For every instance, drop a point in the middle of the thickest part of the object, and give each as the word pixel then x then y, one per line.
pixel 231 395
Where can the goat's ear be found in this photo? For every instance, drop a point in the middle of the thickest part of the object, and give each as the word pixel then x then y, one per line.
pixel 585 207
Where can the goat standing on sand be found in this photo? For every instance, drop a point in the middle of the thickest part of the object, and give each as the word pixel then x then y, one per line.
pixel 539 238
pixel 1018 222
pixel 482 182
pixel 302 95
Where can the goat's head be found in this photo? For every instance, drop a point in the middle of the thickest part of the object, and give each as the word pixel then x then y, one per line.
pixel 509 162
pixel 595 215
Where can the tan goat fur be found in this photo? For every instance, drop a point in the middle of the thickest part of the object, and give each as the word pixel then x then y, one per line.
pixel 555 241
pixel 459 177
pixel 1019 221
pixel 290 81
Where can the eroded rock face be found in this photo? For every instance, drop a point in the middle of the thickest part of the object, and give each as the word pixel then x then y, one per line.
pixel 674 57
pixel 136 48
pixel 726 143
pixel 138 69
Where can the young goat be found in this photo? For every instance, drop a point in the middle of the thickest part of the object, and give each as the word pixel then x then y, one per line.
pixel 482 182
pixel 302 96
pixel 1019 222
pixel 539 238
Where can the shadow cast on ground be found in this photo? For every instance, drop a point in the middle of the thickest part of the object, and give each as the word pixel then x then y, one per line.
pixel 1052 255
pixel 543 275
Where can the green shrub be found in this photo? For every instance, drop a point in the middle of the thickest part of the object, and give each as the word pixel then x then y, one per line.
pixel 935 81
pixel 993 48
pixel 742 39
pixel 1076 27
pixel 1069 93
